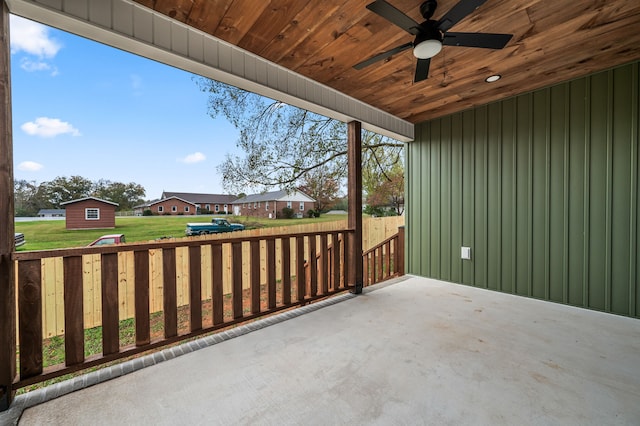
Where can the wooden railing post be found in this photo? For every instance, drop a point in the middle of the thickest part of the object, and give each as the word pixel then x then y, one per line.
pixel 335 261
pixel 169 292
pixel 313 266
pixel 324 264
pixel 195 288
pixel 216 284
pixel 141 299
pixel 286 270
pixel 110 314
pixel 74 310
pixel 271 272
pixel 400 248
pixel 301 278
pixel 236 279
pixel 254 273
pixel 7 242
pixel 30 320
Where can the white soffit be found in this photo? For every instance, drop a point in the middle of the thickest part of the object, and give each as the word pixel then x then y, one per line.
pixel 139 30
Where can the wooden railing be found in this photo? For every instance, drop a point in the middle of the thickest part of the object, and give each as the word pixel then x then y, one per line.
pixel 374 231
pixel 381 262
pixel 385 260
pixel 229 299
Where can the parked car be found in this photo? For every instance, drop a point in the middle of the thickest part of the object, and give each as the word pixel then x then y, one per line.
pixel 19 237
pixel 215 227
pixel 108 239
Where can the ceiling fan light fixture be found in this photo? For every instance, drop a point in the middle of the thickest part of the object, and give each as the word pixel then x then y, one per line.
pixel 427 49
pixel 431 35
pixel 493 78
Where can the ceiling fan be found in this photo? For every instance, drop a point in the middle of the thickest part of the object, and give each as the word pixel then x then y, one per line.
pixel 431 35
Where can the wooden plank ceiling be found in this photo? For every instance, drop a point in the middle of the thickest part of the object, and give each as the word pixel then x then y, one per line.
pixel 554 41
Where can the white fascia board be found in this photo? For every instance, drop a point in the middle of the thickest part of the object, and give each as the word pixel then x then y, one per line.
pixel 142 31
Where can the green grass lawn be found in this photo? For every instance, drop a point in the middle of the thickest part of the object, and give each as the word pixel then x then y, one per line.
pixel 51 234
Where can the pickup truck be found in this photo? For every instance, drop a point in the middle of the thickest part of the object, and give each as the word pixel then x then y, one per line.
pixel 215 227
pixel 19 238
pixel 108 239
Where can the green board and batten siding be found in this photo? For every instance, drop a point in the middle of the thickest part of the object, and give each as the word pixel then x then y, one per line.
pixel 544 189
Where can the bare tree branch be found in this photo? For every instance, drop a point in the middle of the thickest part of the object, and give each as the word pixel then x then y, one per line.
pixel 281 144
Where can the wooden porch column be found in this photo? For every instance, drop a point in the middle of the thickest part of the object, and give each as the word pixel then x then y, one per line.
pixel 354 195
pixel 7 242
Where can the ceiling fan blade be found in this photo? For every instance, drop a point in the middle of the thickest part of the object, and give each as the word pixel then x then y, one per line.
pixel 382 56
pixel 390 13
pixel 484 40
pixel 458 12
pixel 422 70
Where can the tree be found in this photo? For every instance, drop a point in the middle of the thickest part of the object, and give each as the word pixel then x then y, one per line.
pixel 127 195
pixel 282 143
pixel 26 198
pixel 63 189
pixel 320 185
pixel 389 192
pixel 386 161
pixel 341 204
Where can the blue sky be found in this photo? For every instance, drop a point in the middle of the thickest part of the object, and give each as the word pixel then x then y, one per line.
pixel 82 108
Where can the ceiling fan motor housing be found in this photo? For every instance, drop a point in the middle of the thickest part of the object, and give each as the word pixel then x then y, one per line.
pixel 428 42
pixel 428 8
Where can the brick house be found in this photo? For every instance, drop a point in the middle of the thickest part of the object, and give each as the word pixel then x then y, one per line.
pixel 90 213
pixel 205 203
pixel 171 205
pixel 270 204
pixel 197 204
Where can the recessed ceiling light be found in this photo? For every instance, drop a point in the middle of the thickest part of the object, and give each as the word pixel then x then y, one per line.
pixel 493 78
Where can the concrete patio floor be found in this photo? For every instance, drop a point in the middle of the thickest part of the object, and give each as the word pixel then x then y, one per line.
pixel 417 351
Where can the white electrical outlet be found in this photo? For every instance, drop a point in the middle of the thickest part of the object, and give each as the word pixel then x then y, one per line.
pixel 465 253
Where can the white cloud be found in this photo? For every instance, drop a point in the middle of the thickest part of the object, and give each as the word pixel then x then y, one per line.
pixel 136 81
pixel 31 66
pixel 32 38
pixel 136 84
pixel 196 157
pixel 30 166
pixel 46 127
